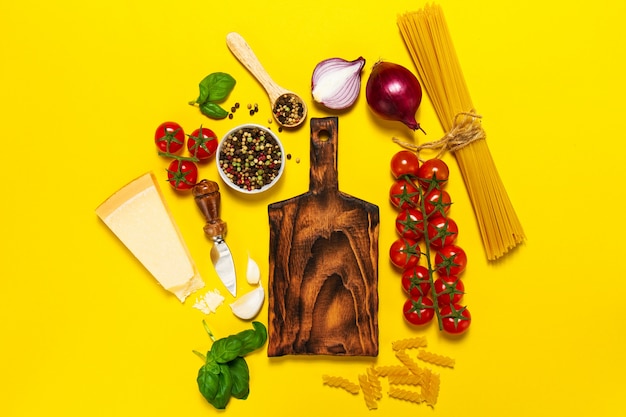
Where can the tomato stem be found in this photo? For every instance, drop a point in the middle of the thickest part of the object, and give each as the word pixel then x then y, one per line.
pixel 429 265
pixel 178 157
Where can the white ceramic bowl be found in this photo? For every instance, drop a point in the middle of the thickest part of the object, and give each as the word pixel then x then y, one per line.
pixel 254 171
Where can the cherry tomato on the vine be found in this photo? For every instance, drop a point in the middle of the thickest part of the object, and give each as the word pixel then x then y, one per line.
pixel 169 137
pixel 437 203
pixel 448 289
pixel 455 318
pixel 404 194
pixel 442 231
pixel 433 174
pixel 410 223
pixel 202 143
pixel 404 253
pixel 418 310
pixel 182 174
pixel 450 260
pixel 404 163
pixel 415 281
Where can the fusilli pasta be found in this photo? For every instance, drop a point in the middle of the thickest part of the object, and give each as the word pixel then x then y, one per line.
pixel 341 382
pixel 435 359
pixel 413 342
pixel 406 395
pixel 369 393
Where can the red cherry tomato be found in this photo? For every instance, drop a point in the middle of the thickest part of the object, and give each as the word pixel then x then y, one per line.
pixel 437 203
pixel 202 143
pixel 410 224
pixel 415 281
pixel 455 318
pixel 404 253
pixel 169 137
pixel 450 260
pixel 404 163
pixel 403 194
pixel 442 231
pixel 449 290
pixel 433 174
pixel 182 175
pixel 419 310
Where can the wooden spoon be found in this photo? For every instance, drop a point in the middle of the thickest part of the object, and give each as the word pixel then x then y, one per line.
pixel 277 95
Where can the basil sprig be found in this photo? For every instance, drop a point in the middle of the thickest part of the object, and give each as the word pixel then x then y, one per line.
pixel 225 373
pixel 214 88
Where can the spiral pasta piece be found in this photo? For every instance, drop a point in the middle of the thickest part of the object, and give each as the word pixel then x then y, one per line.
pixel 369 392
pixel 410 343
pixel 341 382
pixel 372 377
pixel 408 362
pixel 408 379
pixel 392 370
pixel 406 395
pixel 435 359
pixel 430 389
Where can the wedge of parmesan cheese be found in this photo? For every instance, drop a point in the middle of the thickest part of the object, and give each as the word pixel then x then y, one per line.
pixel 138 215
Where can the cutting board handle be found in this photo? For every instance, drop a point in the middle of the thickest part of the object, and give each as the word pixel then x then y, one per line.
pixel 324 139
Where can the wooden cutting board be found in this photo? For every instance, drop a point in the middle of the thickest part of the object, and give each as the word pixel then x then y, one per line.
pixel 323 266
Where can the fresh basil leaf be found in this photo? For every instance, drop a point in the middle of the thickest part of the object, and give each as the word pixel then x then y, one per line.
pixel 252 339
pixel 224 388
pixel 208 379
pixel 216 87
pixel 203 97
pixel 241 378
pixel 213 110
pixel 226 349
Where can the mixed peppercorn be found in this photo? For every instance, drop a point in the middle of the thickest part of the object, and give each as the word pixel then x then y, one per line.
pixel 250 158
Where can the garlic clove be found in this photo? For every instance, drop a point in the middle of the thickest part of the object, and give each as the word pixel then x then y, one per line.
pixel 336 82
pixel 248 305
pixel 253 273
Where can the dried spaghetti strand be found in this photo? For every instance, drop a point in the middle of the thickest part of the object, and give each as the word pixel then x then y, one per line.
pixel 427 37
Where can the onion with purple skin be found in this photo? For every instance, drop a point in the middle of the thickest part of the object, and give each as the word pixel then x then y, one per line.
pixel 336 83
pixel 394 93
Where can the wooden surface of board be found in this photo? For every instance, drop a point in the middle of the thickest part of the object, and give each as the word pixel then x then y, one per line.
pixel 323 266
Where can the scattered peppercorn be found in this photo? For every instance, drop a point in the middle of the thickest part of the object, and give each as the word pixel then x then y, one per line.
pixel 288 156
pixel 230 116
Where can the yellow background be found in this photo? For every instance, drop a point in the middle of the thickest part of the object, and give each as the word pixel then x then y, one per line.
pixel 85 331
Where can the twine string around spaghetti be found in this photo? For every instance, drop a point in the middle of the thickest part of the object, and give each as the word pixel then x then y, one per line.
pixel 467 128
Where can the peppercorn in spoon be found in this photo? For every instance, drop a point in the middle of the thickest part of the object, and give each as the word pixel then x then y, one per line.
pixel 288 108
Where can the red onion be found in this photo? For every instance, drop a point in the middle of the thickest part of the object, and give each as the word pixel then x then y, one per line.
pixel 394 93
pixel 336 83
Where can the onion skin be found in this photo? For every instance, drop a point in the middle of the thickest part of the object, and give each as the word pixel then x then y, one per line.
pixel 394 93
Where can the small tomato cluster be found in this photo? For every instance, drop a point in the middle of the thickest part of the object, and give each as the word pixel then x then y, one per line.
pixel 182 172
pixel 424 225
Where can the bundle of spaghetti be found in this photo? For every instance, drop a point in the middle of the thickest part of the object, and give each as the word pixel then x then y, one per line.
pixel 427 37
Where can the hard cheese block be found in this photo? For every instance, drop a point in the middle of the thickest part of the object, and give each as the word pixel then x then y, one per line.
pixel 140 218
